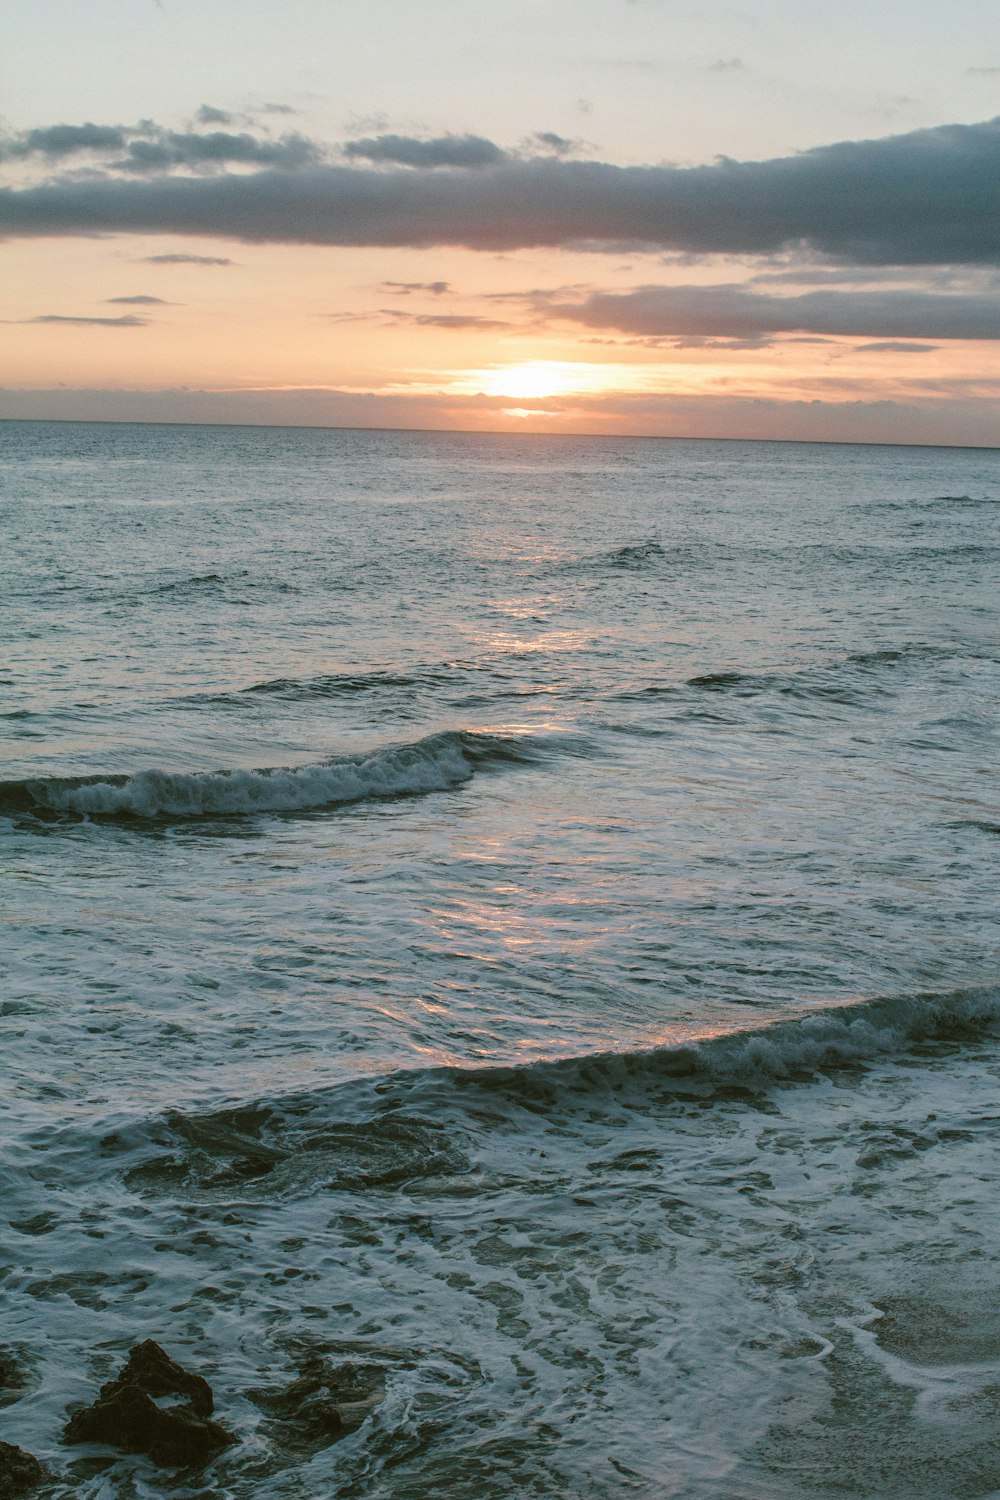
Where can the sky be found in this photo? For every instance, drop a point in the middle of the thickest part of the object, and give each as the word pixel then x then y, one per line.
pixel 760 219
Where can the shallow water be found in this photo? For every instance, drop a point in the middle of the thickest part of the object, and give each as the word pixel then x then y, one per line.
pixel 353 785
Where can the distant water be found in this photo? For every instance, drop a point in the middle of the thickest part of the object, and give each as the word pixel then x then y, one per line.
pixel 519 914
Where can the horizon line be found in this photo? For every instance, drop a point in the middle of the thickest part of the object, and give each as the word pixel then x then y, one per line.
pixel 621 437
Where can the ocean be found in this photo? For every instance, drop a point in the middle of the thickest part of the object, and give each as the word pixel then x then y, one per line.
pixel 510 924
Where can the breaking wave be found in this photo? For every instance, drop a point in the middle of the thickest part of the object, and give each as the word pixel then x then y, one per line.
pixel 856 1033
pixel 417 1110
pixel 384 1132
pixel 432 764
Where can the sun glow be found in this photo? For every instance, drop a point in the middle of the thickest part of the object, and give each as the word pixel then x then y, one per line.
pixel 538 379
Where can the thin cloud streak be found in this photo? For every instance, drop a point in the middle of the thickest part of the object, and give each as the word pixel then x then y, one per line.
pixel 188 260
pixel 893 346
pixel 451 322
pixel 407 288
pixel 128 321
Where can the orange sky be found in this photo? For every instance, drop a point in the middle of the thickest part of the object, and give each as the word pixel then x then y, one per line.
pixel 796 299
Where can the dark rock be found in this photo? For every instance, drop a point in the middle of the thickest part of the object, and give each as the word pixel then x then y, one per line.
pixel 126 1415
pixel 20 1472
pixel 151 1369
pixel 174 1436
pixel 325 1402
pixel 16 1378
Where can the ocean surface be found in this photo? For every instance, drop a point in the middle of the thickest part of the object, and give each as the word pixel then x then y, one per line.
pixel 514 919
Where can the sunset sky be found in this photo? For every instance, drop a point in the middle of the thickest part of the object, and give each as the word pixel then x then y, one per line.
pixel 758 219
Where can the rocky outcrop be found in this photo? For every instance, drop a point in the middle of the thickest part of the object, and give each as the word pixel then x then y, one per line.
pixel 128 1413
pixel 20 1472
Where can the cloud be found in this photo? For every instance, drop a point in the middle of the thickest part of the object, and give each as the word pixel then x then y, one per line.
pixel 926 197
pixel 696 341
pixel 141 301
pixel 149 148
pixel 188 260
pixel 893 346
pixel 128 321
pixel 549 141
pixel 758 341
pixel 469 151
pixel 730 311
pixel 217 148
pixel 405 288
pixel 451 321
pixel 871 275
pixel 983 72
pixel 63 140
pixel 727 65
pixel 209 115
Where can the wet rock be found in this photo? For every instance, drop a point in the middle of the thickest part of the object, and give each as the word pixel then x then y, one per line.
pixel 151 1369
pixel 16 1377
pixel 127 1415
pixel 325 1402
pixel 20 1472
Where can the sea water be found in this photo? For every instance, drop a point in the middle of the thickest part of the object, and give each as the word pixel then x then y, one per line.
pixel 517 916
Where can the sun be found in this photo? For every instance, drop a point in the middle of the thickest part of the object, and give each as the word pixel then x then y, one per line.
pixel 538 379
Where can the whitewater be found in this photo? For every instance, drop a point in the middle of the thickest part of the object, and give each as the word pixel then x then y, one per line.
pixel 513 919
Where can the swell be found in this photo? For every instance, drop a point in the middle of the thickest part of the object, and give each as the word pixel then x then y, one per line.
pixel 955 502
pixel 852 679
pixel 434 763
pixel 935 502
pixel 329 685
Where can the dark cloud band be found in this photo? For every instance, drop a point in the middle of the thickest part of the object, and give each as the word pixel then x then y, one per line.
pixel 733 312
pixel 929 197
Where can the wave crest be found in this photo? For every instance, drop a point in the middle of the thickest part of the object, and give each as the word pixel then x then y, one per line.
pixel 853 1034
pixel 432 764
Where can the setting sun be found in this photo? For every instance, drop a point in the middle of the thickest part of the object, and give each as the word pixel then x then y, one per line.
pixel 540 378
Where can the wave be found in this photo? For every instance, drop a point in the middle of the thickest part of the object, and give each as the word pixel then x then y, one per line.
pixel 827 684
pixel 383 1133
pixel 955 501
pixel 328 685
pixel 192 584
pixel 435 763
pixel 933 502
pixel 634 555
pixel 629 557
pixel 982 825
pixel 830 680
pixel 852 1034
